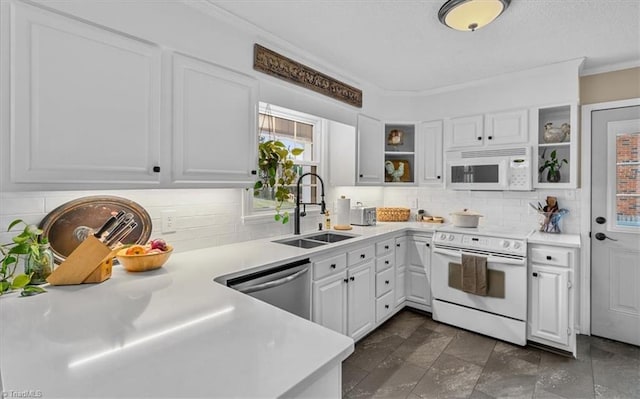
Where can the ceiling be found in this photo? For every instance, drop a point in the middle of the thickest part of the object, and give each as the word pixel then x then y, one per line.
pixel 399 45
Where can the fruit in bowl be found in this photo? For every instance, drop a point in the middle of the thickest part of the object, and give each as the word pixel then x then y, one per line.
pixel 141 258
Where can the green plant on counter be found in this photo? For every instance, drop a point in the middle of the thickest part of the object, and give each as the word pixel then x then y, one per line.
pixel 26 244
pixel 552 165
pixel 276 172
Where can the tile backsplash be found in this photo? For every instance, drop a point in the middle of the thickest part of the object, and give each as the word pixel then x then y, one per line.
pixel 204 217
pixel 212 217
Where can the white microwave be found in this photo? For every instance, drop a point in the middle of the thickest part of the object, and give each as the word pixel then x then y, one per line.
pixel 506 169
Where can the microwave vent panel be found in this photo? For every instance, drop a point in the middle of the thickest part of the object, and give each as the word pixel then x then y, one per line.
pixel 498 152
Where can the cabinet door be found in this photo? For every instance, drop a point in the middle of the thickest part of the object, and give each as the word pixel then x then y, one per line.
pixel 430 138
pixel 330 302
pixel 419 269
pixel 401 263
pixel 370 156
pixel 549 303
pixel 464 132
pixel 85 104
pixel 361 299
pixel 215 132
pixel 506 127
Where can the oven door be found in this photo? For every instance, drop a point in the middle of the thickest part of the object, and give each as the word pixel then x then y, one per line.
pixel 477 174
pixel 507 296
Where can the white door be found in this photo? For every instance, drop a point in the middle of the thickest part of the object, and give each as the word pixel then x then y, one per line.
pixel 615 224
pixel 330 302
pixel 361 300
pixel 549 307
pixel 370 163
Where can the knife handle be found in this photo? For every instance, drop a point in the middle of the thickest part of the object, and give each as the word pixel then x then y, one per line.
pixel 108 223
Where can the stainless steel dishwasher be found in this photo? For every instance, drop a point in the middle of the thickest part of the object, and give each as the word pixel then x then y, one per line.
pixel 287 287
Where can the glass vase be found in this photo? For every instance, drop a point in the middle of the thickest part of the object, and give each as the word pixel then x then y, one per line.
pixel 553 176
pixel 41 265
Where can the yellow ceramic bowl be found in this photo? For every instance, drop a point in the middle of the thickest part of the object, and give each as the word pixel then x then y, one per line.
pixel 143 262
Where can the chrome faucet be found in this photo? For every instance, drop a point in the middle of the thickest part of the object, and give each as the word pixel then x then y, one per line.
pixel 297 213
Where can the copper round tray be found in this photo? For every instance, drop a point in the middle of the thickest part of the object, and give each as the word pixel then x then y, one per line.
pixel 60 226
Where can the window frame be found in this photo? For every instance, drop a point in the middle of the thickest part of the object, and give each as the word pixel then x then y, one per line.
pixel 250 215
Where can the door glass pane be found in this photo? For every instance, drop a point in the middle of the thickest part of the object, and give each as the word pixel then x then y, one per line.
pixel 628 179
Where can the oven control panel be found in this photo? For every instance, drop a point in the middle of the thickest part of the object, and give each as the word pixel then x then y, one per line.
pixel 487 243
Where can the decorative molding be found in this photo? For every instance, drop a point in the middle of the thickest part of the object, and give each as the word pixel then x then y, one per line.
pixel 274 64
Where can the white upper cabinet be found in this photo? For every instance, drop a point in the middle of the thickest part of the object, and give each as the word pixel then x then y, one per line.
pixel 214 123
pixel 370 156
pixel 430 156
pixel 464 132
pixel 506 127
pixel 85 104
pixel 498 128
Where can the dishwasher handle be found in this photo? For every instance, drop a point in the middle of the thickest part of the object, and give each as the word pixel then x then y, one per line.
pixel 273 283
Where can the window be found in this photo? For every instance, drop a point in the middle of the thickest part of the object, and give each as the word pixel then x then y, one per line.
pixel 295 130
pixel 627 170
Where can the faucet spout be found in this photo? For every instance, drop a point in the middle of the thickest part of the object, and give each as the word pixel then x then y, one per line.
pixel 323 206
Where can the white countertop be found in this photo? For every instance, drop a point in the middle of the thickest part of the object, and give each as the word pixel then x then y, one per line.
pixel 172 332
pixel 560 240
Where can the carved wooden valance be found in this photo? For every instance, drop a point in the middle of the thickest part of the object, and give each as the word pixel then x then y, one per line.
pixel 272 63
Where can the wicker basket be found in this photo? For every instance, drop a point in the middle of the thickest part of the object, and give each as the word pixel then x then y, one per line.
pixel 393 214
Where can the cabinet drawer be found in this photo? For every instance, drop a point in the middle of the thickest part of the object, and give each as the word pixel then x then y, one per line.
pixel 384 307
pixel 385 247
pixel 360 255
pixel 385 281
pixel 327 266
pixel 385 262
pixel 548 256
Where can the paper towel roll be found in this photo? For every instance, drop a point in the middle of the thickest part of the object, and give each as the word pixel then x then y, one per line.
pixel 343 211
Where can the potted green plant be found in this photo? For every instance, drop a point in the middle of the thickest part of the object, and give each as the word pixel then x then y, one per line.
pixel 276 172
pixel 38 260
pixel 552 165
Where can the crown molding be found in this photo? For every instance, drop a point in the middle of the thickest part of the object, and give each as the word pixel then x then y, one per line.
pixel 611 68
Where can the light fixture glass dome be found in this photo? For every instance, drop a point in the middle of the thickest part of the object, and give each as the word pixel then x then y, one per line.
pixel 469 15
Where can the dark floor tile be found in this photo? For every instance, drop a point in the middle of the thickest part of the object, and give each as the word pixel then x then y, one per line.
pixel 510 372
pixel 610 393
pixel 614 347
pixel 471 347
pixel 564 376
pixel 404 323
pixel 392 378
pixel 480 395
pixel 540 393
pixel 616 372
pixel 351 376
pixel 373 349
pixel 423 347
pixel 448 377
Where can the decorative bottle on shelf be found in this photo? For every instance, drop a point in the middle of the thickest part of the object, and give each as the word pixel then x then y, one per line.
pixel 40 264
pixel 327 221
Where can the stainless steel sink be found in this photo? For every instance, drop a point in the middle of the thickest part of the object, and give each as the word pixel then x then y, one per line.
pixel 315 240
pixel 301 243
pixel 329 237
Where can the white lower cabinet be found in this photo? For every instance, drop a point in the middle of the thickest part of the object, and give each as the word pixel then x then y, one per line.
pixel 418 272
pixel 400 291
pixel 345 300
pixel 360 295
pixel 330 302
pixel 551 297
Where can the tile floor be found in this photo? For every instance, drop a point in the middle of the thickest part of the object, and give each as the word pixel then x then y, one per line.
pixel 411 356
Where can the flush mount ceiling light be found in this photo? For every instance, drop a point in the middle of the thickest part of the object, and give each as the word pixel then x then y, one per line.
pixel 469 15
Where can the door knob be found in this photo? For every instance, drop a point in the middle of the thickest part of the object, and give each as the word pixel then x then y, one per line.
pixel 602 237
pixel 601 220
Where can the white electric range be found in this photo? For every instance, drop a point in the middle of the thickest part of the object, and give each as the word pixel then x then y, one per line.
pixel 502 312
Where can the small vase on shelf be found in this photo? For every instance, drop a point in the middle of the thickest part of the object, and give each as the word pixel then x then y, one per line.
pixel 553 176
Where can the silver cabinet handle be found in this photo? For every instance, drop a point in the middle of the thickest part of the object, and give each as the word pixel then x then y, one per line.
pixel 274 283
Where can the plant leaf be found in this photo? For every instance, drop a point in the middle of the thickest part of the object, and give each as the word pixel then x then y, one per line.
pixel 32 290
pixel 20 281
pixel 297 151
pixel 20 249
pixel 4 286
pixel 276 217
pixel 553 154
pixel 258 185
pixel 14 223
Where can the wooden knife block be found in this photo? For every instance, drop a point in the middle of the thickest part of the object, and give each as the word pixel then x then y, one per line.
pixel 90 262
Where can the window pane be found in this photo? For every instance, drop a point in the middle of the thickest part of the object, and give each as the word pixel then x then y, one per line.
pixel 628 179
pixel 628 211
pixel 627 146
